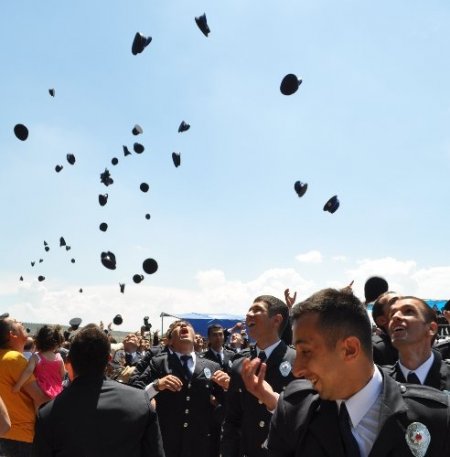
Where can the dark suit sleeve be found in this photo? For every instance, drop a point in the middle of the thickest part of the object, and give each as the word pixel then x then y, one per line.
pixel 140 367
pixel 277 442
pixel 152 445
pixel 41 444
pixel 287 333
pixel 231 429
pixel 149 375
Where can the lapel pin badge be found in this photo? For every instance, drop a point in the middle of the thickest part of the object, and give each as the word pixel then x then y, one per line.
pixel 285 368
pixel 207 373
pixel 418 438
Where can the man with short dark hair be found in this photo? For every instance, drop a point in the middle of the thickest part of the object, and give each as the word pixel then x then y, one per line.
pixel 413 328
pixel 21 406
pixel 94 416
pixel 247 420
pixel 346 406
pixel 216 352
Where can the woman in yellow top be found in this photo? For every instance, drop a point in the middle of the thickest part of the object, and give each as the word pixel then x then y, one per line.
pixel 5 423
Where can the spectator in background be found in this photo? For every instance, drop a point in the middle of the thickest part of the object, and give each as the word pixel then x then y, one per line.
pixel 46 364
pixel 236 342
pixel 29 348
pixel 216 352
pixel 5 421
pixel 199 343
pixel 384 353
pixel 21 406
pixel 413 328
pixel 94 416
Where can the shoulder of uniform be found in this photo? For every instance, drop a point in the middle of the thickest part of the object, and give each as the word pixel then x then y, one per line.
pixel 159 357
pixel 420 392
pixel 298 387
pixel 376 339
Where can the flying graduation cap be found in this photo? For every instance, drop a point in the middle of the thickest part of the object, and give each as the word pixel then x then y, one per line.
pixel 184 126
pixel 114 160
pixel 290 84
pixel 140 42
pixel 126 152
pixel 62 242
pixel 105 178
pixel 122 288
pixel 300 188
pixel 138 148
pixel 103 199
pixel 118 320
pixel 137 130
pixel 71 159
pixel 332 204
pixel 21 132
pixel 147 216
pixel 41 278
pixel 138 278
pixel 108 260
pixel 51 92
pixel 103 226
pixel 176 157
pixel 58 168
pixel 150 266
pixel 202 24
pixel 144 187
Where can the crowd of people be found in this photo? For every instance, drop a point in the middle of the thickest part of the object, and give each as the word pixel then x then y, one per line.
pixel 314 378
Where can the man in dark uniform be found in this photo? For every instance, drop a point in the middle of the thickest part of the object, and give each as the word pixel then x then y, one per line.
pixel 346 406
pixel 216 352
pixel 188 401
pixel 384 353
pixel 247 419
pixel 413 328
pixel 95 416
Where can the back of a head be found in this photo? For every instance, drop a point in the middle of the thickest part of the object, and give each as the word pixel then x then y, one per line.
pixel 341 314
pixel 89 351
pixel 275 306
pixel 5 328
pixel 374 287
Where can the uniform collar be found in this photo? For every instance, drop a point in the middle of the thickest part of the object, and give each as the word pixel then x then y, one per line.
pixel 421 371
pixel 268 350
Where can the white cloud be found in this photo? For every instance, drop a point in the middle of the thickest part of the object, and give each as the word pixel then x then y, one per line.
pixel 310 257
pixel 339 258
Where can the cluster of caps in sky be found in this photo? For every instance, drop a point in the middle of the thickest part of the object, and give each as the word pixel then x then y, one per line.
pixel 289 86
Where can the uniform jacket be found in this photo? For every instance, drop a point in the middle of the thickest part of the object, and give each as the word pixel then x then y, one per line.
pixel 247 420
pixel 95 417
pixel 438 376
pixel 188 417
pixel 226 363
pixel 383 351
pixel 305 425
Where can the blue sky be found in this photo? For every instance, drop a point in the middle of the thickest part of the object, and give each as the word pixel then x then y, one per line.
pixel 369 123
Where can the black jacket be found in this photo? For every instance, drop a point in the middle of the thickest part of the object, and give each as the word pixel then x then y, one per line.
pixel 226 363
pixel 95 417
pixel 305 425
pixel 247 420
pixel 383 351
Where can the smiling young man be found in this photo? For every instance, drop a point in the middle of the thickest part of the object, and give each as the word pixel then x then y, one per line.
pixel 346 406
pixel 247 419
pixel 188 400
pixel 413 328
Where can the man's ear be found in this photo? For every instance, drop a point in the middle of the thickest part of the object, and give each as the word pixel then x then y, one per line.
pixel 351 347
pixel 433 328
pixel 382 321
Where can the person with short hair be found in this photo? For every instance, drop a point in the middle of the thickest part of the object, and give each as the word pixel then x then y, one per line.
pixel 94 416
pixel 347 406
pixel 216 351
pixel 21 406
pixel 413 328
pixel 247 420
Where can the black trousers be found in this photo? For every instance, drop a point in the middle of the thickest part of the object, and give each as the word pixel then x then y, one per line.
pixel 12 448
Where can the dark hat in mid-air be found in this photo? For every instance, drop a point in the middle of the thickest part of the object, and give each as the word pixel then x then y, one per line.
pixel 21 278
pixel 332 204
pixel 184 126
pixel 21 132
pixel 300 188
pixel 138 278
pixel 103 199
pixel 126 152
pixel 103 226
pixel 140 42
pixel 33 263
pixel 75 323
pixel 68 248
pixel 71 159
pixel 51 92
pixel 41 278
pixel 150 266
pixel 290 84
pixel 122 288
pixel 62 241
pixel 114 160
pixel 147 216
pixel 137 130
pixel 118 320
pixel 176 157
pixel 374 287
pixel 138 148
pixel 144 187
pixel 72 260
pixel 202 24
pixel 58 168
pixel 108 260
pixel 105 178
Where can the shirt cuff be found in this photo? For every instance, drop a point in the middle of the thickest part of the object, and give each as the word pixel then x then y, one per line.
pixel 151 391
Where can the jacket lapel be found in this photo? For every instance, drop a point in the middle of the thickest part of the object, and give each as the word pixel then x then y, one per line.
pixel 433 378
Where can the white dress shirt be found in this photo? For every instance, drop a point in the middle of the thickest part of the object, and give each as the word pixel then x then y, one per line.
pixel 364 409
pixel 268 350
pixel 421 372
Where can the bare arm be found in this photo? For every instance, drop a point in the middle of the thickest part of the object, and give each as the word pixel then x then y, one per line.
pixel 62 369
pixel 26 373
pixel 5 423
pixel 33 390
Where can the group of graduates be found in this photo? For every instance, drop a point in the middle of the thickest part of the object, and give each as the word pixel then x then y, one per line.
pixel 318 380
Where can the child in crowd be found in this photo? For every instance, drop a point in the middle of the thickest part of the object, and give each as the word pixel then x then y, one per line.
pixel 46 364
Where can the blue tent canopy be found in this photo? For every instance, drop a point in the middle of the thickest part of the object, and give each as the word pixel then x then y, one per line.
pixel 201 322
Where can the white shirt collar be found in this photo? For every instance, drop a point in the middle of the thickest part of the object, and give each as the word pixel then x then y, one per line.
pixel 422 371
pixel 360 403
pixel 192 354
pixel 268 350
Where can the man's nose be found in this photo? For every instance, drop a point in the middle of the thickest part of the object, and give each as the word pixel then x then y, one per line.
pixel 299 366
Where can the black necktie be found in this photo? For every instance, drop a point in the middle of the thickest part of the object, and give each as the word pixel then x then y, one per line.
pixel 262 356
pixel 187 372
pixel 128 359
pixel 350 445
pixel 219 359
pixel 412 378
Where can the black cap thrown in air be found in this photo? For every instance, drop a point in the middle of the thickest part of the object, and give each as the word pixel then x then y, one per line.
pixel 150 266
pixel 62 242
pixel 147 216
pixel 114 160
pixel 72 260
pixel 75 322
pixel 290 84
pixel 51 92
pixel 144 187
pixel 138 278
pixel 140 42
pixel 105 178
pixel 108 260
pixel 126 152
pixel 70 158
pixel 58 168
pixel 374 287
pixel 184 126
pixel 103 226
pixel 103 199
pixel 332 204
pixel 118 320
pixel 138 148
pixel 137 130
pixel 41 278
pixel 300 188
pixel 122 288
pixel 21 132
pixel 202 24
pixel 176 157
